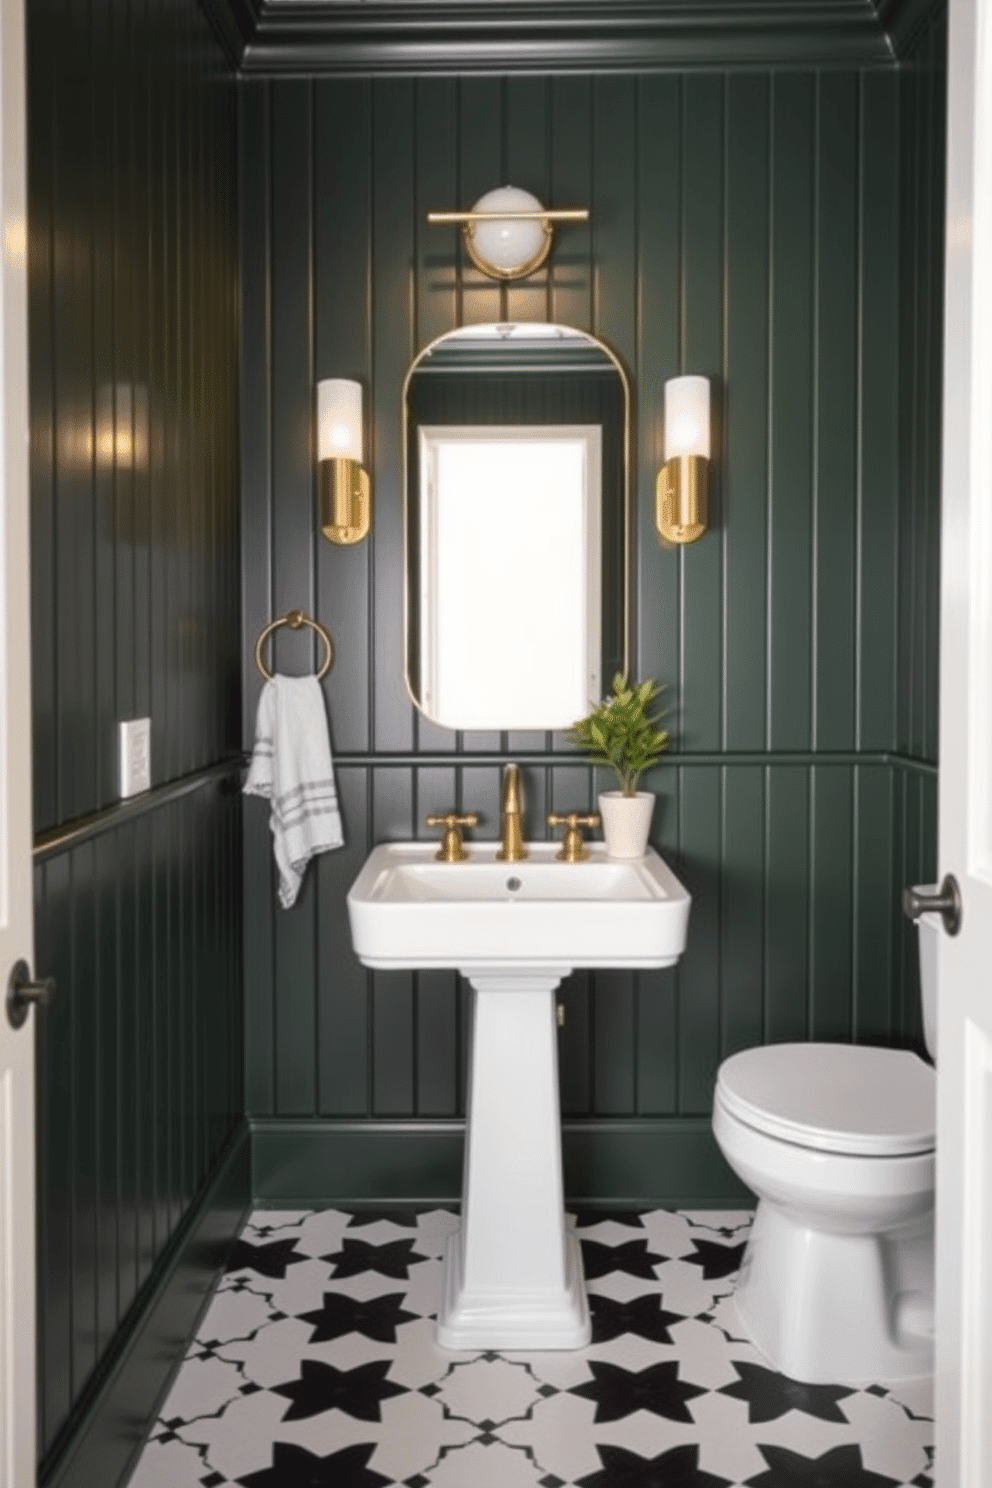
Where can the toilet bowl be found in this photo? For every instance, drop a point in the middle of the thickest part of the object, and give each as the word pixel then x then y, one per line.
pixel 838 1143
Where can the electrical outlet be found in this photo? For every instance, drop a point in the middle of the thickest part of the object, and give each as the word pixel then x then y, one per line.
pixel 135 755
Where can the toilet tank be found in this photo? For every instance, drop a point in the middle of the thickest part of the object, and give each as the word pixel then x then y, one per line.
pixel 929 928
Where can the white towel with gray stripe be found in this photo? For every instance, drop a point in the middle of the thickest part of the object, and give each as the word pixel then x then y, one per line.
pixel 291 765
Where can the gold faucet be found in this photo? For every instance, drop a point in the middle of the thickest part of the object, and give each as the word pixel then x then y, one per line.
pixel 511 811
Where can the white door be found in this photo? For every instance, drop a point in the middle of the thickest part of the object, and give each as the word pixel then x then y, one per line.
pixel 964 1121
pixel 17 1304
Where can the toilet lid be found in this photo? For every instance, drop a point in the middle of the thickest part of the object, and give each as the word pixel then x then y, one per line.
pixel 834 1097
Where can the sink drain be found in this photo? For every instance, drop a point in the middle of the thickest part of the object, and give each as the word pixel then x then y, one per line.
pixel 513 884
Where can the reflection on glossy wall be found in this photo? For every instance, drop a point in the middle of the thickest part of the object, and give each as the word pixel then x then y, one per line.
pixel 135 612
pixel 749 226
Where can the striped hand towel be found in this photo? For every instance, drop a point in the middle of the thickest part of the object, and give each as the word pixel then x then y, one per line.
pixel 291 765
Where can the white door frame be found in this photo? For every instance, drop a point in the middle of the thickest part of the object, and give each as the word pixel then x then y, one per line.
pixel 17 1140
pixel 964 1120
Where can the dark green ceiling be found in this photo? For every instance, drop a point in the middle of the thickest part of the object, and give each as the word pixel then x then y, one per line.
pixel 423 37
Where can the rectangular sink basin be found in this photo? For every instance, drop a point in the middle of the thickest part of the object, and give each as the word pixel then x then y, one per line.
pixel 408 910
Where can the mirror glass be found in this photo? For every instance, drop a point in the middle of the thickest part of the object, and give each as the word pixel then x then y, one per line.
pixel 516 450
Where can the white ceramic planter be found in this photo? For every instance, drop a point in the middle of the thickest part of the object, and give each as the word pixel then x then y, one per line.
pixel 626 822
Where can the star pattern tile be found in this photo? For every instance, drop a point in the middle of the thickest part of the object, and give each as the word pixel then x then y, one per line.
pixel 619 1392
pixel 644 1316
pixel 376 1317
pixel 393 1259
pixel 769 1395
pixel 316 1364
pixel 841 1467
pixel 358 1392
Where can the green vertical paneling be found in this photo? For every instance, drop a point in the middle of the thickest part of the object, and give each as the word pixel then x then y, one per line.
pixel 135 611
pixel 134 1102
pixel 699 974
pixel 142 1113
pixel 836 418
pixel 741 919
pixel 255 166
pixel 935 229
pixel 744 225
pixel 878 476
pixel 108 1067
pixel 295 965
pixel 830 940
pixel 436 284
pixel 922 100
pixel 787 902
pixel 876 899
pixel 44 630
pixel 73 393
pixel 745 415
pixel 527 164
pixel 793 176
pixel 393 237
pixel 658 991
pixel 342 1004
pixel 109 580
pixel 84 992
pixel 571 277
pixel 393 1049
pixel 437 183
pixel 55 1099
pixel 293 547
pixel 133 971
pixel 342 185
pixel 436 995
pixel 481 167
pixel 659 578
pixel 703 228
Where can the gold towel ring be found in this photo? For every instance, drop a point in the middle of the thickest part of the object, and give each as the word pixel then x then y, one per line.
pixel 294 619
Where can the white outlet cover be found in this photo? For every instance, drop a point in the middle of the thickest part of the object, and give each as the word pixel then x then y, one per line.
pixel 135 755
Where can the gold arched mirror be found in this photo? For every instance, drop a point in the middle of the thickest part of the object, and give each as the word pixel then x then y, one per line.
pixel 516 448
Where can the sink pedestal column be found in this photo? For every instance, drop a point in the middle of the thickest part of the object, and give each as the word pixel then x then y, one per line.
pixel 513 1273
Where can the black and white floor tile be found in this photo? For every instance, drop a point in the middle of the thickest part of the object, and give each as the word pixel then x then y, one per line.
pixel 316 1365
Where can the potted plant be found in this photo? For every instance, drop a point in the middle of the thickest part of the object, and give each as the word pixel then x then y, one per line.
pixel 623 734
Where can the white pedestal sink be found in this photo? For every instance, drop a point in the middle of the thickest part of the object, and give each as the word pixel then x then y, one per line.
pixel 513 1273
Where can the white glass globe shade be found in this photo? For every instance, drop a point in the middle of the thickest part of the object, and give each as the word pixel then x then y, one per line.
pixel 508 245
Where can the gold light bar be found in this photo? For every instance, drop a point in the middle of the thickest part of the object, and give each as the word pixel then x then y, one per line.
pixel 569 214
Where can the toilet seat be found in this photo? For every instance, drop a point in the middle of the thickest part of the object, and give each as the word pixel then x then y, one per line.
pixel 843 1098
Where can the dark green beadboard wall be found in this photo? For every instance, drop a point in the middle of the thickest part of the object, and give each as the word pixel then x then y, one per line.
pixel 923 94
pixel 135 611
pixel 751 226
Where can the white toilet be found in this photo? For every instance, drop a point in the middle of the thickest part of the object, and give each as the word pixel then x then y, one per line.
pixel 838 1143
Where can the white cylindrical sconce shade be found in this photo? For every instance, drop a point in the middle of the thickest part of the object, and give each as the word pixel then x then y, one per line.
pixel 339 420
pixel 687 417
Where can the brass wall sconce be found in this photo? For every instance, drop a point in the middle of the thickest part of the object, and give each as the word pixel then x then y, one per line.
pixel 681 492
pixel 345 499
pixel 508 234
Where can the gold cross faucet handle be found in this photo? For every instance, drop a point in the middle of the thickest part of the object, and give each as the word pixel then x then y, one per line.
pixel 452 849
pixel 573 847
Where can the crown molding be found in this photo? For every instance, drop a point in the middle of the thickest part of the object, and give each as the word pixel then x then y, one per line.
pixel 904 20
pixel 234 23
pixel 429 37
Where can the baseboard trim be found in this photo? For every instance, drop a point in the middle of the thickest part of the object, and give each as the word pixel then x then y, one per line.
pixel 109 1425
pixel 653 1162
